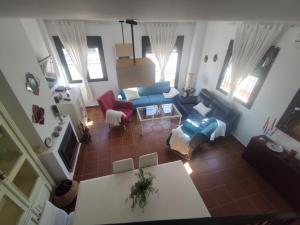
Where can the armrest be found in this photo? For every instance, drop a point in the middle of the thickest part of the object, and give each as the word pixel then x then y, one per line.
pixel 123 104
pixel 188 100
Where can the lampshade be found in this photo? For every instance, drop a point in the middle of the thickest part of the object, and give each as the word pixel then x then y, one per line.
pixel 123 50
pixel 140 74
pixel 189 81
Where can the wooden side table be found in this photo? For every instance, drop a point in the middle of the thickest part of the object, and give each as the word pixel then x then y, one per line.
pixel 281 172
pixel 188 91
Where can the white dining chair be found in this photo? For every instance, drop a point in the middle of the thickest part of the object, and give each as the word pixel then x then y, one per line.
pixel 148 160
pixel 123 165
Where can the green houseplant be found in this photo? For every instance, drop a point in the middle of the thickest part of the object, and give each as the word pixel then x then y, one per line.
pixel 141 190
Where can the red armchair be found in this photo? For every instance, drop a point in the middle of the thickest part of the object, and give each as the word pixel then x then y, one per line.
pixel 108 101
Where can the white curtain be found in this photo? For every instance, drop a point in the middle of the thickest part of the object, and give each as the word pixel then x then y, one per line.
pixel 73 37
pixel 162 39
pixel 250 44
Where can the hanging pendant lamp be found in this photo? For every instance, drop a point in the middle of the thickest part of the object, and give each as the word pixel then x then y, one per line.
pixel 123 50
pixel 134 72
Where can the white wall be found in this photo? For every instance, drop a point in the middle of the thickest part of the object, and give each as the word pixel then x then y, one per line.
pixel 111 34
pixel 279 88
pixel 35 37
pixel 16 59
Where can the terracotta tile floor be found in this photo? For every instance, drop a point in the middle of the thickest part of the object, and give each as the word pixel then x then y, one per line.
pixel 227 184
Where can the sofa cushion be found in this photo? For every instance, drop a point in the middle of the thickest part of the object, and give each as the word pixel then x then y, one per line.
pixel 195 117
pixel 205 97
pixel 221 110
pixel 202 109
pixel 131 94
pixel 159 99
pixel 142 101
pixel 157 88
pixel 164 86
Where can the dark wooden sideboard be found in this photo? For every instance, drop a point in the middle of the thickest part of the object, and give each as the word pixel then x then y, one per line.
pixel 280 171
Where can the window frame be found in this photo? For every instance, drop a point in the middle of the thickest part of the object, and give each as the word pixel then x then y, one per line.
pixel 92 42
pixel 146 48
pixel 260 72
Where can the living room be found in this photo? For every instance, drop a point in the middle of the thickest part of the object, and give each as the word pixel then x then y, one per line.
pixel 168 94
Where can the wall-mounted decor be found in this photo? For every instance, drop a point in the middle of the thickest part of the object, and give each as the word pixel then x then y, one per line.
pixel 48 142
pixel 269 128
pixel 205 58
pixel 215 58
pixel 38 114
pixel 289 123
pixel 49 70
pixel 55 134
pixel 32 84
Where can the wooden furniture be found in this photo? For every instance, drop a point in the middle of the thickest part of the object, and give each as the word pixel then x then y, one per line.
pixel 23 187
pixel 282 173
pixel 103 200
pixel 75 108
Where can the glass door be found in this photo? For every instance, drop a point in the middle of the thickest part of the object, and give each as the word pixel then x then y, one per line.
pixel 16 172
pixel 10 154
pixel 12 211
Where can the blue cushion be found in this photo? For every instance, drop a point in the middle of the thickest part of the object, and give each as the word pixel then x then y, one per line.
pixel 164 86
pixel 195 117
pixel 188 132
pixel 142 101
pixel 210 128
pixel 158 88
pixel 191 125
pixel 206 126
pixel 159 99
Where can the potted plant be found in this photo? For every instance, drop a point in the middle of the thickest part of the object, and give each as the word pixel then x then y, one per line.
pixel 141 190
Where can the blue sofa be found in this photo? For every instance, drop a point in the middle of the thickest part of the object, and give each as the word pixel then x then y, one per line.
pixel 151 95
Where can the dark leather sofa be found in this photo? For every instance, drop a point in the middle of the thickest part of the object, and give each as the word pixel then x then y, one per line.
pixel 221 109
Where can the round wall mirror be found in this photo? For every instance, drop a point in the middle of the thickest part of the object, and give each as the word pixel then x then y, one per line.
pixel 215 58
pixel 205 58
pixel 32 84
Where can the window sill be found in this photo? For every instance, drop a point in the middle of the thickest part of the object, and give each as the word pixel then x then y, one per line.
pixel 97 80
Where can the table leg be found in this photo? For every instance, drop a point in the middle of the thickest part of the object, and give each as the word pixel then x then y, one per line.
pixel 141 124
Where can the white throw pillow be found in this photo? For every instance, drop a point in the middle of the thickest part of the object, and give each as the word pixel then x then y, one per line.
pixel 172 93
pixel 202 109
pixel 131 93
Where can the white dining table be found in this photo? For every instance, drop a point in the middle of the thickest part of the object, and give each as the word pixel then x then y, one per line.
pixel 103 200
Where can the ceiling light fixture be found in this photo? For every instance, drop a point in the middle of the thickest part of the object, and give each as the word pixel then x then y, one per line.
pixel 136 72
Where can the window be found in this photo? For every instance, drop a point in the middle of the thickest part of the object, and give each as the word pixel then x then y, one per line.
pixel 173 65
pixel 249 88
pixel 96 61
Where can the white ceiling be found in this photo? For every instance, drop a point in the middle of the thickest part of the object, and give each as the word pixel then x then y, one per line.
pixel 154 10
